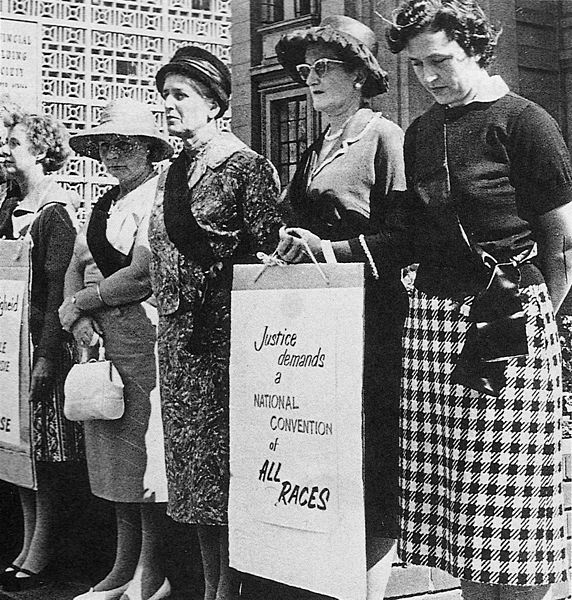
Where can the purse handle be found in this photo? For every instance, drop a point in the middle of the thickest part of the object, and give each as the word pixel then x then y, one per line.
pixel 96 339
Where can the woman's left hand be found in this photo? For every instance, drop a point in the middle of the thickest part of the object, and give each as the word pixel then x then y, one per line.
pixel 41 378
pixel 84 330
pixel 69 313
pixel 292 248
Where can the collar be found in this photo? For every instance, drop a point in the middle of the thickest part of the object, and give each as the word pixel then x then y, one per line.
pixel 45 194
pixel 216 151
pixel 356 125
pixel 353 132
pixel 491 89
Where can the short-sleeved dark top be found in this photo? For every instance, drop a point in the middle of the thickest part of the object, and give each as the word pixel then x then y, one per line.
pixel 508 164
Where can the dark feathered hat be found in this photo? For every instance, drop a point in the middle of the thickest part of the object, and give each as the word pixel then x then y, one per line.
pixel 354 41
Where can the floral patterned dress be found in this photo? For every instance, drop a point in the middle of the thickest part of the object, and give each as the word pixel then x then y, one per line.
pixel 234 200
pixel 55 439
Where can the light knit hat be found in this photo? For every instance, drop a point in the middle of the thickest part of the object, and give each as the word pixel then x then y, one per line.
pixel 126 117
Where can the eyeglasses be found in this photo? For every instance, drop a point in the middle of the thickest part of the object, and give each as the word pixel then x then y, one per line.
pixel 320 67
pixel 120 145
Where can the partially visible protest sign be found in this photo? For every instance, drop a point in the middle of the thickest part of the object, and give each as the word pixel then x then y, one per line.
pixel 296 491
pixel 20 62
pixel 16 464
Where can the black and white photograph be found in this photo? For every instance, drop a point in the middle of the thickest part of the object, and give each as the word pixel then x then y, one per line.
pixel 285 300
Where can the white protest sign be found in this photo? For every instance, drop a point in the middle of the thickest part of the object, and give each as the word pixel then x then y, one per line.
pixel 296 491
pixel 20 66
pixel 16 461
pixel 11 305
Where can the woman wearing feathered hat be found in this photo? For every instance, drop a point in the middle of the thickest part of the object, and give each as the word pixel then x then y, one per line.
pixel 217 205
pixel 341 191
pixel 107 292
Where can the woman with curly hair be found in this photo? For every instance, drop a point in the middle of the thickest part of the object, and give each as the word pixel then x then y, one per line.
pixel 45 215
pixel 488 218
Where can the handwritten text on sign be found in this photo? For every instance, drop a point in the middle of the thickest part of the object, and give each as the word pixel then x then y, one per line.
pixel 292 410
pixel 296 492
pixel 11 304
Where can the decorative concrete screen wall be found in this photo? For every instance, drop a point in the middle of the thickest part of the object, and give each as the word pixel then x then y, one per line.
pixel 95 50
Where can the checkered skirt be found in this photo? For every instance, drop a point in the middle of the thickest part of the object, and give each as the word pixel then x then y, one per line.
pixel 481 477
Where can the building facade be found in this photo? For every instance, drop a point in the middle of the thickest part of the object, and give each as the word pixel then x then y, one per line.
pixel 273 113
pixel 93 51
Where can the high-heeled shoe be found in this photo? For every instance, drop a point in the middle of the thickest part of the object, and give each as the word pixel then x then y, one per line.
pixel 113 594
pixel 31 581
pixel 163 592
pixel 8 573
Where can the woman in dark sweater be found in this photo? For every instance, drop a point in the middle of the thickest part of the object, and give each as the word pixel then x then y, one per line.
pixel 44 216
pixel 489 220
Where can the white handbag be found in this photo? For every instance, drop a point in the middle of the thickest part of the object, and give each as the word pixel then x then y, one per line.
pixel 93 389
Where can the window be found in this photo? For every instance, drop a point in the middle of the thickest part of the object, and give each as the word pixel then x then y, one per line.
pixel 271 11
pixel 289 134
pixel 303 8
pixel 126 67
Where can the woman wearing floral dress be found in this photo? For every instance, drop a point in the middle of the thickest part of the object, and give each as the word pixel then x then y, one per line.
pixel 215 206
pixel 45 215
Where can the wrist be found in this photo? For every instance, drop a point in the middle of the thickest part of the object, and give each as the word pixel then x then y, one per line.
pixel 369 257
pixel 98 292
pixel 328 251
pixel 90 298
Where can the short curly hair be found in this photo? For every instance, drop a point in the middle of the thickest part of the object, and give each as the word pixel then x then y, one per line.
pixel 463 21
pixel 45 134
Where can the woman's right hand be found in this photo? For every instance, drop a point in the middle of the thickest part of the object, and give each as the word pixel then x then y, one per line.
pixel 293 244
pixel 69 313
pixel 84 329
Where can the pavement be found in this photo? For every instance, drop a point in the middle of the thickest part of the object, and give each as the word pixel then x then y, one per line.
pixel 253 590
pixel 51 591
pixel 67 591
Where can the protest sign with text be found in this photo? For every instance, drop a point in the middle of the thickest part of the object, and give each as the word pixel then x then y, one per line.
pixel 16 464
pixel 20 62
pixel 296 491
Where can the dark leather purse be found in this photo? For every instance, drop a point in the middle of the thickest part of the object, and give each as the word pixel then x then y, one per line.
pixel 497 331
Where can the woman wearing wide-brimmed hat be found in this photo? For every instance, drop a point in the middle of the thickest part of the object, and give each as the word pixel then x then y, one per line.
pixel 342 191
pixel 107 292
pixel 218 206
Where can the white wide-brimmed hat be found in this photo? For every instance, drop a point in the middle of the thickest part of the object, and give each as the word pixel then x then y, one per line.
pixel 127 117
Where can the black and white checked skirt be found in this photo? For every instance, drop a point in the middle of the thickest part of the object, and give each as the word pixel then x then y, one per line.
pixel 481 477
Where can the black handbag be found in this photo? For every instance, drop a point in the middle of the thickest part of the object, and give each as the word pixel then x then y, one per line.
pixel 497 332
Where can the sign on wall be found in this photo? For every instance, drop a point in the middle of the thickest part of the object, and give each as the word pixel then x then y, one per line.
pixel 20 68
pixel 16 464
pixel 296 490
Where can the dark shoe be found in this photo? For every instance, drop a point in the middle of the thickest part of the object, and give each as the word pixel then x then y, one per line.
pixel 8 574
pixel 31 581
